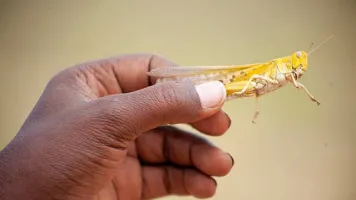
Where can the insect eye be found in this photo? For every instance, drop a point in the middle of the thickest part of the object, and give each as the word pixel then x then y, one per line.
pixel 298 54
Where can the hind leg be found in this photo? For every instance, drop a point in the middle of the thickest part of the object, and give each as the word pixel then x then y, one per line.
pixel 257 111
pixel 250 81
pixel 234 90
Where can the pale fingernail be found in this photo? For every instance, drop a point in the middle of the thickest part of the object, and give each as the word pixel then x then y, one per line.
pixel 211 94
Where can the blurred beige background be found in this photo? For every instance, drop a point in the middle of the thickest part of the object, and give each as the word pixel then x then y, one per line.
pixel 296 151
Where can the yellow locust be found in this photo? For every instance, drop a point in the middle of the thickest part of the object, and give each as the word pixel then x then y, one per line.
pixel 251 80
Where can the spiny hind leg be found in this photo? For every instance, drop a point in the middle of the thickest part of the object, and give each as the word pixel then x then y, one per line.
pixel 301 86
pixel 257 110
pixel 268 80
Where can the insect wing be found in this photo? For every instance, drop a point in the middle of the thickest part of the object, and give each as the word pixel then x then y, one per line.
pixel 264 69
pixel 197 74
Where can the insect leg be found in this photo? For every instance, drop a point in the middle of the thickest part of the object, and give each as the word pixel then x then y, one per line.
pixel 250 92
pixel 269 80
pixel 257 111
pixel 233 87
pixel 308 93
pixel 301 86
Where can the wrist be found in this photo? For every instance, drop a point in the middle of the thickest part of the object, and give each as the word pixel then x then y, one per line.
pixel 7 172
pixel 15 176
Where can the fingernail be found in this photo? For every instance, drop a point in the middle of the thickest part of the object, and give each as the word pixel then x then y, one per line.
pixel 232 159
pixel 211 94
pixel 216 183
pixel 229 120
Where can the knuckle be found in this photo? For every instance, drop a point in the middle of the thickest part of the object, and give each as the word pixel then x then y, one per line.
pixel 170 96
pixel 163 97
pixel 118 120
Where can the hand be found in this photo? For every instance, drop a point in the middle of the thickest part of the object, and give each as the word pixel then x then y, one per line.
pixel 97 132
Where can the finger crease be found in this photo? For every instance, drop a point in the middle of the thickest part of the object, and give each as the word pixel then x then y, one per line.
pixel 166 180
pixel 166 148
pixel 116 188
pixel 184 181
pixel 138 150
pixel 190 156
pixel 81 71
pixel 100 84
pixel 149 82
pixel 144 185
pixel 116 76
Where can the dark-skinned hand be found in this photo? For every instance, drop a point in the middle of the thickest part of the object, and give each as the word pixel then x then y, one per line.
pixel 99 131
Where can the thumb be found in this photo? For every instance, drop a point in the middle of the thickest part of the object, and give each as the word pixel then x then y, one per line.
pixel 160 104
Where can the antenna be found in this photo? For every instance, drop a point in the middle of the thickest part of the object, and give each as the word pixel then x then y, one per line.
pixel 311 45
pixel 319 45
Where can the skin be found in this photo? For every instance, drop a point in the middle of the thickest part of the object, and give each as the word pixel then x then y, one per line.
pixel 99 132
